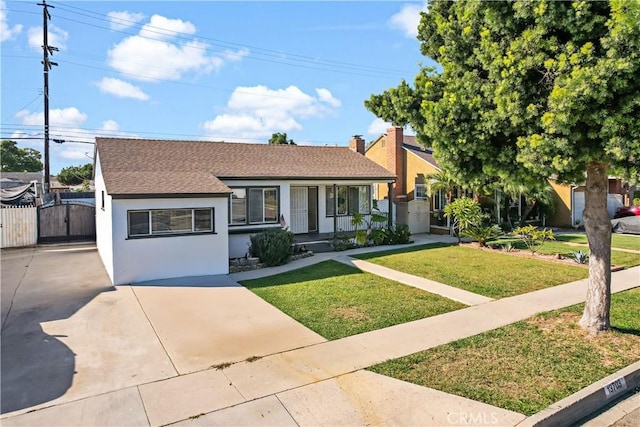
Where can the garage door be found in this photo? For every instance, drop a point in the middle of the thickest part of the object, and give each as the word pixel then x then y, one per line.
pixel 614 201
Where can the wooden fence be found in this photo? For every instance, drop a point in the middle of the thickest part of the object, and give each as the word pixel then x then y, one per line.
pixel 19 226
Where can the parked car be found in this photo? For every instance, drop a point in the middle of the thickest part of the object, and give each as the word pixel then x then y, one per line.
pixel 626 225
pixel 627 211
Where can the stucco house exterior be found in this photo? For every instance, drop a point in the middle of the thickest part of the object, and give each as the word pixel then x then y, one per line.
pixel 411 163
pixel 167 208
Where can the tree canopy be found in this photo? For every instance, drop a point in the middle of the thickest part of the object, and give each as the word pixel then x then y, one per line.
pixel 529 90
pixel 15 159
pixel 280 138
pixel 75 175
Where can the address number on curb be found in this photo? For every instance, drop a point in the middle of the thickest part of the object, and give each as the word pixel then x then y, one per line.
pixel 615 387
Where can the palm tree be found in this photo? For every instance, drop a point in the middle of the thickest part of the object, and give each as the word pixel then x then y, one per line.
pixel 442 181
pixel 534 193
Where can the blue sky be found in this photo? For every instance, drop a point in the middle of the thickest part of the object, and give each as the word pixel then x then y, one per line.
pixel 232 71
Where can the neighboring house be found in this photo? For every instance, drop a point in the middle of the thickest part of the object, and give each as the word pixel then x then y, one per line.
pixel 403 156
pixel 21 188
pixel 183 208
pixel 569 201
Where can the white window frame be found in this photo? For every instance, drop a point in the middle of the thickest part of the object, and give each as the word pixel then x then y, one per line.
pixel 348 210
pixel 417 194
pixel 151 233
pixel 247 206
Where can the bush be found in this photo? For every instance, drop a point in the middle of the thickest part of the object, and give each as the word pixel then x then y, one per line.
pixel 579 257
pixel 532 237
pixel 636 201
pixel 506 226
pixel 465 213
pixel 399 235
pixel 273 246
pixel 481 233
pixel 342 242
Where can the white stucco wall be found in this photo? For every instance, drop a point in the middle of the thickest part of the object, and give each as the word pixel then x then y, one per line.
pixel 141 259
pixel 104 239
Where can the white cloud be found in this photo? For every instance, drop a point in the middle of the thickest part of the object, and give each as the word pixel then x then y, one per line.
pixel 121 89
pixel 66 117
pixel 109 126
pixel 378 127
pixel 258 112
pixel 408 19
pixel 7 32
pixel 162 28
pixel 124 19
pixel 57 37
pixel 325 96
pixel 156 52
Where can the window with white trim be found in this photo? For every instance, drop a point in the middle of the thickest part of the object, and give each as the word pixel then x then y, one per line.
pixel 253 205
pixel 351 199
pixel 420 192
pixel 157 222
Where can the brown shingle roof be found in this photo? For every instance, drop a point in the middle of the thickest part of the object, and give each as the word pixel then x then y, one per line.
pixel 143 166
pixel 410 144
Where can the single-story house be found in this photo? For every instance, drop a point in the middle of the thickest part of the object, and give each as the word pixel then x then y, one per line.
pixel 183 208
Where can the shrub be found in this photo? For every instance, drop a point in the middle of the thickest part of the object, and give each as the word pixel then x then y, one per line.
pixel 465 213
pixel 481 233
pixel 506 226
pixel 273 246
pixel 508 247
pixel 579 257
pixel 399 235
pixel 342 242
pixel 532 237
pixel 636 201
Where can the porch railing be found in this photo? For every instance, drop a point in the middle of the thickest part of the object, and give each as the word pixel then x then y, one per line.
pixel 344 224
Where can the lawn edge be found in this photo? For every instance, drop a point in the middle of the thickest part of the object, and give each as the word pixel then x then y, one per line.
pixel 589 400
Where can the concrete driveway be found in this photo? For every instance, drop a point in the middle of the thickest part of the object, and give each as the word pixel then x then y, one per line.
pixel 68 334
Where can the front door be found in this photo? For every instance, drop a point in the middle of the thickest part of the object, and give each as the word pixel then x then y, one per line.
pixel 304 209
pixel 299 210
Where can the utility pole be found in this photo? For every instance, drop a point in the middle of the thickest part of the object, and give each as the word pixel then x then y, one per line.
pixel 47 50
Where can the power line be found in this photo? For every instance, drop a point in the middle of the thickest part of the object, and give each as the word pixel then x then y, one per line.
pixel 222 43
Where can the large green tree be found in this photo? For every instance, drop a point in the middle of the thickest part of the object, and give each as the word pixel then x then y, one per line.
pixel 532 89
pixel 75 175
pixel 280 138
pixel 15 159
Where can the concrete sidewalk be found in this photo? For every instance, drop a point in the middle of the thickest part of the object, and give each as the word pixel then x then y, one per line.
pixel 323 384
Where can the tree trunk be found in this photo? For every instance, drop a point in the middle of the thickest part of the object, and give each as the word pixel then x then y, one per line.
pixel 595 318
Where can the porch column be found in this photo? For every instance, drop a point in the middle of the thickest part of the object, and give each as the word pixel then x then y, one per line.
pixel 335 210
pixel 390 196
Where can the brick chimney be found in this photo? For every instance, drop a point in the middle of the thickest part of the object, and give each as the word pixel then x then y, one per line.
pixel 357 144
pixel 395 162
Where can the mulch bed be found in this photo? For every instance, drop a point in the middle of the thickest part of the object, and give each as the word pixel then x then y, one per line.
pixel 527 254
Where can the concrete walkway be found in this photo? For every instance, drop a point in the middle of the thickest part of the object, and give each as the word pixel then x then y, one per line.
pixel 321 383
pixel 456 294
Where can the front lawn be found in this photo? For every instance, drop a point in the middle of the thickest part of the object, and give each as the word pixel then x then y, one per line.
pixel 491 274
pixel 336 300
pixel 529 365
pixel 617 240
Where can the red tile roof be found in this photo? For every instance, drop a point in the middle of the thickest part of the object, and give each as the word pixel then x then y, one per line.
pixel 144 166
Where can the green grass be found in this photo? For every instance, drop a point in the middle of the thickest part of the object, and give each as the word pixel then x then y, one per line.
pixel 491 274
pixel 617 240
pixel 336 300
pixel 528 365
pixel 552 247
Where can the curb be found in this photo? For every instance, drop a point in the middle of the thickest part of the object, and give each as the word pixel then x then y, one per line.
pixel 589 400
